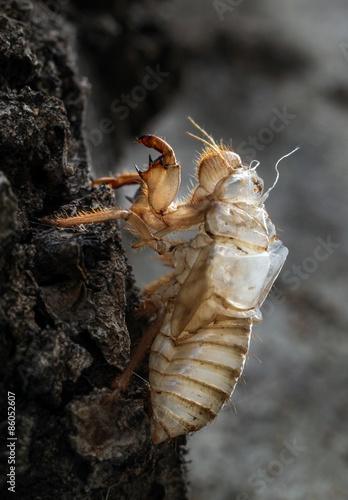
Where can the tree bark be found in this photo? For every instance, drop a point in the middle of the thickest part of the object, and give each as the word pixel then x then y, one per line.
pixel 67 296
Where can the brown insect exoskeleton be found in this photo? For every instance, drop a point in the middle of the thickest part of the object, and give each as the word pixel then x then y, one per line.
pixel 205 307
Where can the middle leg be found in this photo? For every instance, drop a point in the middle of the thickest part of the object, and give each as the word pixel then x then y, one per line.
pixel 104 215
pixel 119 180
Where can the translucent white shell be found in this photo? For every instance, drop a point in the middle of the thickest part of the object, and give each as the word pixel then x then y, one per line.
pixel 220 279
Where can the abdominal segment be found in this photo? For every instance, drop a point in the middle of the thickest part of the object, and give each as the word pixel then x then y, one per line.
pixel 193 376
pixel 199 352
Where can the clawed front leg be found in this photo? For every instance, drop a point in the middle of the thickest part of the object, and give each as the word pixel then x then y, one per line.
pixel 162 178
pixel 166 159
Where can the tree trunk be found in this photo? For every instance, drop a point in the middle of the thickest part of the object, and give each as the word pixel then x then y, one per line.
pixel 67 296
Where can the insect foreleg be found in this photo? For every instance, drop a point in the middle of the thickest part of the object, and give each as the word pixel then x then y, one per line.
pixel 121 383
pixel 167 157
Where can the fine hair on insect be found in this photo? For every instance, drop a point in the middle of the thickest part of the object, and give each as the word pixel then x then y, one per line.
pixel 204 309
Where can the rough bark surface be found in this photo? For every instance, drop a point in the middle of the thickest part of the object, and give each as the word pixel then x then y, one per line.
pixel 66 296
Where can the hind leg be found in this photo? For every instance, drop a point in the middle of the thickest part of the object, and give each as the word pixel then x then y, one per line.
pixel 121 383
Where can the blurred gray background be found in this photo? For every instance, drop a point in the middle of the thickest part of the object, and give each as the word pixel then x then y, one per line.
pixel 270 76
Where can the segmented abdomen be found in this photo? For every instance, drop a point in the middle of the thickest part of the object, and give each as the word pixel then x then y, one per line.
pixel 211 300
pixel 191 378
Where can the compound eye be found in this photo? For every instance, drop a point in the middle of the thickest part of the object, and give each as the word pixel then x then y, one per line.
pixel 214 167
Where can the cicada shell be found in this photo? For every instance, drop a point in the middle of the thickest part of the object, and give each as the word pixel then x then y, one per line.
pixel 206 307
pixel 221 277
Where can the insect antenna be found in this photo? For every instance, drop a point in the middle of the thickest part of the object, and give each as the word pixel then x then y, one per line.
pixel 200 139
pixel 212 144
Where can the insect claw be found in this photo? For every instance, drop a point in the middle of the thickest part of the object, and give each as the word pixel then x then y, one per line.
pixel 139 171
pixel 135 197
pixel 152 141
pixel 150 160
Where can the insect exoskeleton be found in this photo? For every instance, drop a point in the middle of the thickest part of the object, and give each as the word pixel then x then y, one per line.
pixel 220 279
pixel 206 307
